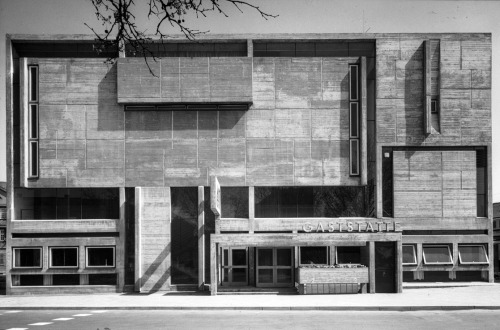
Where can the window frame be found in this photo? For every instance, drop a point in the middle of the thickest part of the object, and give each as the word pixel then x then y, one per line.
pixel 31 97
pixel 39 248
pixel 326 256
pixel 354 106
pixel 414 256
pixel 33 126
pixel 350 82
pixel 434 106
pixel 33 168
pixel 346 246
pixel 3 234
pixel 100 247
pixel 51 248
pixel 450 254
pixel 351 156
pixel 487 262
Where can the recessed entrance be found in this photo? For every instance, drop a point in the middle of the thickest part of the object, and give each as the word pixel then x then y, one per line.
pixel 234 266
pixel 274 267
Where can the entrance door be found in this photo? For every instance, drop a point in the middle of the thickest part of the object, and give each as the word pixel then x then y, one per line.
pixel 234 266
pixel 385 267
pixel 274 267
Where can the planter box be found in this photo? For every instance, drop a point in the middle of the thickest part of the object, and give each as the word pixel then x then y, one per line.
pixel 332 275
pixel 332 280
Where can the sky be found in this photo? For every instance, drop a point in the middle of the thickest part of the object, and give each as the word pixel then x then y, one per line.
pixel 295 16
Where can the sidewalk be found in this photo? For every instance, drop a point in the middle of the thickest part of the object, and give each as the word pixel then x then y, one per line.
pixel 485 296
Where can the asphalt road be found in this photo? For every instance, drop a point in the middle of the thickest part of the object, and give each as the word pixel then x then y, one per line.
pixel 158 319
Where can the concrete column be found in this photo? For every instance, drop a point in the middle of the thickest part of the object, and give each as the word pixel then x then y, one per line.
pixel 371 274
pixel 120 248
pixel 153 239
pixel 201 237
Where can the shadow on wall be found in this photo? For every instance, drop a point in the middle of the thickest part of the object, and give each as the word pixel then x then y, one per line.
pixel 109 113
pixel 414 94
pixel 154 270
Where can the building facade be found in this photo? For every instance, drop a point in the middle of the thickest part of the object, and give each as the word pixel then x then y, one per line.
pixel 327 163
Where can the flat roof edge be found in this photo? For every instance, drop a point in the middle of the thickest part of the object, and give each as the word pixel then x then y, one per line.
pixel 270 36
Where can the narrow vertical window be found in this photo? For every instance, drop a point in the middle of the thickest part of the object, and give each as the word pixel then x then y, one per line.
pixel 32 114
pixel 434 106
pixel 353 82
pixel 387 183
pixel 481 178
pixel 33 121
pixel 33 159
pixel 354 157
pixel 354 120
pixel 33 83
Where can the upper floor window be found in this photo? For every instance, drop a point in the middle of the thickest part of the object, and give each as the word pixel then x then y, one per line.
pixel 27 257
pixel 32 129
pixel 292 202
pixel 71 203
pixel 234 48
pixel 312 48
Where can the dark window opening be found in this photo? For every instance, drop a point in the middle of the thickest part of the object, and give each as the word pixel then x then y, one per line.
pixel 353 83
pixel 33 83
pixel 340 48
pixel 27 257
pixel 100 257
pixel 482 182
pixel 102 279
pixel 129 236
pixel 74 203
pixel 354 151
pixel 184 233
pixel 209 228
pixel 387 183
pixel 33 159
pixel 33 121
pixel 81 49
pixel 297 202
pixel 64 257
pixel 66 279
pixel 348 254
pixel 234 202
pixel 434 106
pixel 313 255
pixel 28 280
pixel 187 49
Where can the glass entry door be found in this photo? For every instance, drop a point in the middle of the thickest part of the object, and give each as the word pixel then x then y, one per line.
pixel 234 266
pixel 274 267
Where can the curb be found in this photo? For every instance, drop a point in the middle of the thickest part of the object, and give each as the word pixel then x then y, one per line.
pixel 268 308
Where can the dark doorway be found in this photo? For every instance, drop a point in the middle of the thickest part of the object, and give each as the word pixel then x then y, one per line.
pixel 385 267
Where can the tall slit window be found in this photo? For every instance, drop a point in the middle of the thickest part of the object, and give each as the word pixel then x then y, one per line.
pixel 354 119
pixel 33 121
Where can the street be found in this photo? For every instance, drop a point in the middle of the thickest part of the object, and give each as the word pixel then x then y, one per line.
pixel 217 319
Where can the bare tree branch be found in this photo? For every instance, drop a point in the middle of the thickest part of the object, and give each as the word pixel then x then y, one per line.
pixel 120 29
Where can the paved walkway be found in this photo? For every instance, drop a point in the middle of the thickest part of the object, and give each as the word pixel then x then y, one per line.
pixel 485 296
